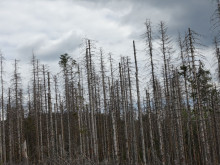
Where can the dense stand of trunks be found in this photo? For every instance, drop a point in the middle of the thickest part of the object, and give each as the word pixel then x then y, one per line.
pixel 88 114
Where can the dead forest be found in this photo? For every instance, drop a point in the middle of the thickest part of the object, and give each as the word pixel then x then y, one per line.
pixel 99 112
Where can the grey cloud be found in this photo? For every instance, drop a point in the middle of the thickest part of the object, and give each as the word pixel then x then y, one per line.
pixel 179 16
pixel 47 49
pixel 42 26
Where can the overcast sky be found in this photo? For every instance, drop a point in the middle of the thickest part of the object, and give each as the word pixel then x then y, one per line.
pixel 53 27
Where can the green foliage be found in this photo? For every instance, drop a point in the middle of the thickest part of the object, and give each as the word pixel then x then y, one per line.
pixel 204 78
pixel 64 58
pixel 183 70
pixel 66 62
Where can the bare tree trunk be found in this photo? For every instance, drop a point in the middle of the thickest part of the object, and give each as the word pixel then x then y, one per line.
pixel 114 125
pixel 187 101
pixel 133 114
pixel 139 108
pixel 106 138
pixel 201 118
pixel 179 120
pixel 3 111
pixel 158 110
pixel 46 112
pixel 17 107
pixel 1 128
pixel 124 115
pixel 9 125
pixel 24 153
pixel 55 115
pixel 36 110
pixel 62 129
pixel 40 120
pixel 91 99
pixel 80 98
pixel 52 141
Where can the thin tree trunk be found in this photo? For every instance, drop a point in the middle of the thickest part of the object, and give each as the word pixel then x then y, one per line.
pixel 3 112
pixel 139 108
pixel 124 115
pixel 133 114
pixel 202 126
pixel 52 141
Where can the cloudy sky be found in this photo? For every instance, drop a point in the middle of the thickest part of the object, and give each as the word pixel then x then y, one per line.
pixel 53 27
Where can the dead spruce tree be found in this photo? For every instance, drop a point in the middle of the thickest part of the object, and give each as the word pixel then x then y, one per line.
pixel 2 112
pixel 155 92
pixel 139 107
